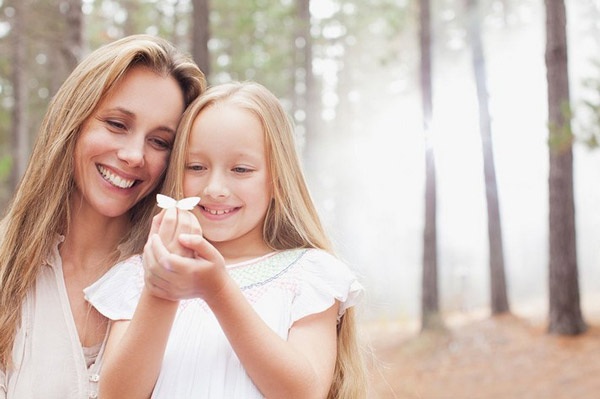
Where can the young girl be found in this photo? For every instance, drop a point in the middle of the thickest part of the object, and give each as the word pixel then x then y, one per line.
pixel 85 202
pixel 261 309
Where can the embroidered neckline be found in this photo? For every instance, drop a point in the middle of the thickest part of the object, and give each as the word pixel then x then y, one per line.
pixel 251 261
pixel 265 269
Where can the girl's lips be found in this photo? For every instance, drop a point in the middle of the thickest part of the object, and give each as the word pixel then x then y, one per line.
pixel 217 212
pixel 115 179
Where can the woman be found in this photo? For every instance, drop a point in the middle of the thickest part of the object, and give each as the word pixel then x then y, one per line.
pixel 84 203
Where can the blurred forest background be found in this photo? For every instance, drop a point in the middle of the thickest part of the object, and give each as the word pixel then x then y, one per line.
pixel 351 75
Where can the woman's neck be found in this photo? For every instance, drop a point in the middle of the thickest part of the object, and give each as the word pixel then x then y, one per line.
pixel 87 252
pixel 92 238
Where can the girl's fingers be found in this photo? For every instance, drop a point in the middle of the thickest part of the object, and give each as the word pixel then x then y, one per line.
pixel 175 222
pixel 201 247
pixel 173 276
pixel 156 221
pixel 160 254
pixel 155 260
pixel 168 225
pixel 189 223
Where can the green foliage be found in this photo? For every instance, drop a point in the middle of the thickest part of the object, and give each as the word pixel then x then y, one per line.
pixel 4 84
pixel 561 135
pixel 381 24
pixel 250 39
pixel 5 168
pixel 109 19
pixel 590 112
pixel 254 40
pixel 4 114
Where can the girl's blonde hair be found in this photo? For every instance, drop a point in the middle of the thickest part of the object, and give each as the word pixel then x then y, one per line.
pixel 292 220
pixel 40 208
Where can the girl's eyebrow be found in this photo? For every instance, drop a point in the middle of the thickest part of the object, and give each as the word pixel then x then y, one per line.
pixel 192 153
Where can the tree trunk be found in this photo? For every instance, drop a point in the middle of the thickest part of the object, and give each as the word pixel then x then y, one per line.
pixel 132 8
pixel 499 300
pixel 565 314
pixel 19 131
pixel 430 317
pixel 310 100
pixel 175 37
pixel 73 45
pixel 201 35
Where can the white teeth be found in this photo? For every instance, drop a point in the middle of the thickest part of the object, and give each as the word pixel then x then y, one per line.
pixel 113 179
pixel 217 212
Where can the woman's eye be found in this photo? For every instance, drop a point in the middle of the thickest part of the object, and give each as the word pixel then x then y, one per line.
pixel 116 125
pixel 161 144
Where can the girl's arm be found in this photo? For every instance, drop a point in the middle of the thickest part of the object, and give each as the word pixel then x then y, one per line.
pixel 134 351
pixel 135 348
pixel 301 367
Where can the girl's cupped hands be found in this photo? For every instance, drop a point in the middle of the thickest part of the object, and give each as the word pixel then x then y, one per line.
pixel 178 262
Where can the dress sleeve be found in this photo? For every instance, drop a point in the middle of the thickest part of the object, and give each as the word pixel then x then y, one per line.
pixel 323 279
pixel 117 293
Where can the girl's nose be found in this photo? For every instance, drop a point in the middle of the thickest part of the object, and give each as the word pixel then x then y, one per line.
pixel 216 186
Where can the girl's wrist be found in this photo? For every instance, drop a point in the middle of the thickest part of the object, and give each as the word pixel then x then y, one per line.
pixel 154 296
pixel 223 292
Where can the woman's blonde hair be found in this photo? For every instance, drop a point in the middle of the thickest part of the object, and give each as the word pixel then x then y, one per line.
pixel 292 220
pixel 40 208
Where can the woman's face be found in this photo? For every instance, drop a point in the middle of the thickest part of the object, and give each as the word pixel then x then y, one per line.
pixel 124 146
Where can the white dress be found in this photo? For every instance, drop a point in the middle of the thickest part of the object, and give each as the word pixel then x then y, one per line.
pixel 199 362
pixel 48 360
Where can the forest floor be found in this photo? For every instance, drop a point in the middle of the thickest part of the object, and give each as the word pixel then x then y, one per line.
pixel 504 357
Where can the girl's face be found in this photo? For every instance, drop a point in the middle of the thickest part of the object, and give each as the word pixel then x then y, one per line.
pixel 125 144
pixel 227 167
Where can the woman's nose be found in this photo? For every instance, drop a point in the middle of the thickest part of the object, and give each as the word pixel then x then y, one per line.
pixel 132 152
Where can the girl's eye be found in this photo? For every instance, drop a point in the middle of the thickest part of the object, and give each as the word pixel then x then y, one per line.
pixel 241 169
pixel 195 167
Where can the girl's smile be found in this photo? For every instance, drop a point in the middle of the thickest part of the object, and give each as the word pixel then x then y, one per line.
pixel 227 167
pixel 217 211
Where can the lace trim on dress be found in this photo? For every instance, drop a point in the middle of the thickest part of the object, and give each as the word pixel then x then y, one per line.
pixel 256 274
pixel 91 353
pixel 2 383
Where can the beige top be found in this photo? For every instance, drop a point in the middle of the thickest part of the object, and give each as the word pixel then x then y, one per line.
pixel 49 361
